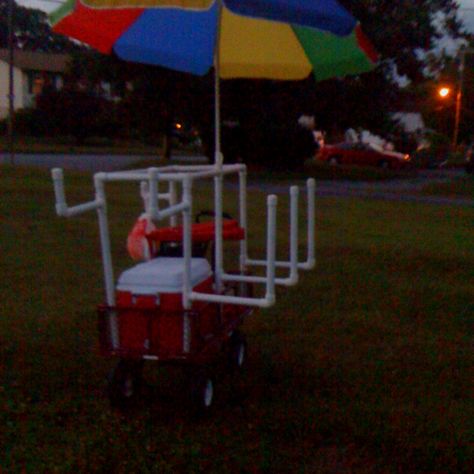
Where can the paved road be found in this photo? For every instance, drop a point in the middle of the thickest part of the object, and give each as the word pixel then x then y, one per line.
pixel 407 190
pixel 91 162
pixel 397 189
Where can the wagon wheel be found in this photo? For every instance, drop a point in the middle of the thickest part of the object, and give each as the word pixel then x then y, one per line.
pixel 202 392
pixel 125 381
pixel 237 351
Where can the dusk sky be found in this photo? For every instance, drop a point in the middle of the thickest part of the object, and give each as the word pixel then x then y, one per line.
pixel 466 12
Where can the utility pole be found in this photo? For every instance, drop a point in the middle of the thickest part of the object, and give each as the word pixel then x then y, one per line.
pixel 11 93
pixel 457 119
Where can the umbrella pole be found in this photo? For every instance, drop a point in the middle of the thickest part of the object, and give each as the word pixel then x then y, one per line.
pixel 218 158
pixel 218 162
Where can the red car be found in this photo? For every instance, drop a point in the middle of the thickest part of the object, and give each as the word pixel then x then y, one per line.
pixel 362 154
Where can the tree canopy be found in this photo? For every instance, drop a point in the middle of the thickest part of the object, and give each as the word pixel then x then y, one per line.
pixel 32 31
pixel 402 30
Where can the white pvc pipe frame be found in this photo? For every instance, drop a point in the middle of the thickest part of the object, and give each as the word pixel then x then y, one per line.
pixel 186 175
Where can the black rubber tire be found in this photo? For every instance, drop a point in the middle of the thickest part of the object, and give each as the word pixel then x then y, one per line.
pixel 237 352
pixel 384 164
pixel 125 382
pixel 202 392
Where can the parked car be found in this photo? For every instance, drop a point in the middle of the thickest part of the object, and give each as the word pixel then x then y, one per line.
pixel 364 154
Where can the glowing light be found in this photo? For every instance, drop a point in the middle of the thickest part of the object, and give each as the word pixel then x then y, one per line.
pixel 444 92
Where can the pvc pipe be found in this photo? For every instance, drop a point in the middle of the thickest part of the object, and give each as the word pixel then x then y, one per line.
pixel 187 243
pixel 174 173
pixel 172 201
pixel 107 258
pixel 293 277
pixel 255 279
pixel 243 219
pixel 278 264
pixel 81 208
pixel 153 208
pixel 218 246
pixel 58 182
pixel 218 158
pixel 123 176
pixel 105 243
pixel 212 298
pixel 292 264
pixel 310 259
pixel 269 298
pixel 272 201
pixel 62 209
pixel 171 211
pixel 144 195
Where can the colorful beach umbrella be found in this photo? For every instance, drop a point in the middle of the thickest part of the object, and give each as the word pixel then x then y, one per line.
pixel 265 39
pixel 274 39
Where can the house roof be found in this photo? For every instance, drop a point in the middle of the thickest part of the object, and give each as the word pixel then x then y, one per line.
pixel 35 61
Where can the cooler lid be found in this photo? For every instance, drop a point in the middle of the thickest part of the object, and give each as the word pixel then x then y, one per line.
pixel 162 275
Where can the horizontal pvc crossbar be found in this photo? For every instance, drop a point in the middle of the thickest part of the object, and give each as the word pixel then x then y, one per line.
pixel 279 264
pixel 171 211
pixel 256 279
pixel 79 209
pixel 177 173
pixel 258 302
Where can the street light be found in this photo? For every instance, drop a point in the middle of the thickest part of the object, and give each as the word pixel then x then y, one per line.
pixel 444 92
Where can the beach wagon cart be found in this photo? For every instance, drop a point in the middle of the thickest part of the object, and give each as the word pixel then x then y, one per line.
pixel 179 304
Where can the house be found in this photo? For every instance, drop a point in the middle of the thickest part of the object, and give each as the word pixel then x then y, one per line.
pixel 31 72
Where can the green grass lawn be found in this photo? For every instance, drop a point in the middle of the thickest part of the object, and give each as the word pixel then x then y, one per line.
pixel 365 367
pixel 460 187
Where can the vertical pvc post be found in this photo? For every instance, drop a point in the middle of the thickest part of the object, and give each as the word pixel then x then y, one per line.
pixel 243 219
pixel 152 193
pixel 271 248
pixel 173 200
pixel 218 158
pixel 145 197
pixel 58 181
pixel 187 242
pixel 218 249
pixel 294 191
pixel 106 256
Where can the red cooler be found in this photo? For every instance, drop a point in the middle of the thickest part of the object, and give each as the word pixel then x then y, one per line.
pixel 151 318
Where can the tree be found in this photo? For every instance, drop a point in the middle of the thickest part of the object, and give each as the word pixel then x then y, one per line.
pixel 401 30
pixel 32 31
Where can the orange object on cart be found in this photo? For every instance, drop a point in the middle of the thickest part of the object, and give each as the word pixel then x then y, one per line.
pixel 200 232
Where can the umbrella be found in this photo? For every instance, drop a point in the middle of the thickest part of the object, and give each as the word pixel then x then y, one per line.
pixel 273 39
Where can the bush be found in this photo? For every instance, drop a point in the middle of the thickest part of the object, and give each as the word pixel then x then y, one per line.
pixel 76 113
pixel 279 148
pixel 30 122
